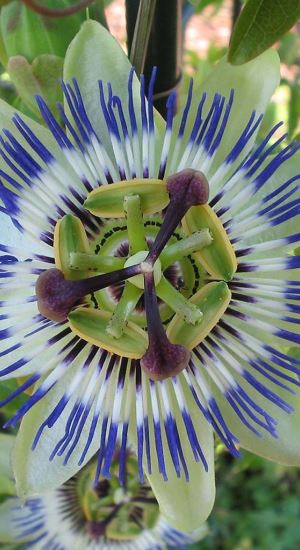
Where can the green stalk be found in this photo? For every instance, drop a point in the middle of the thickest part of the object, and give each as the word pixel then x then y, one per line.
pixel 141 34
pixel 95 262
pixel 184 247
pixel 185 309
pixel 124 308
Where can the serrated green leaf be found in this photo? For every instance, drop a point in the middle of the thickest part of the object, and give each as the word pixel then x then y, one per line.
pixel 261 24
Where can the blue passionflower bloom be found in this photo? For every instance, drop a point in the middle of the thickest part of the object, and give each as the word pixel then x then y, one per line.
pixel 154 295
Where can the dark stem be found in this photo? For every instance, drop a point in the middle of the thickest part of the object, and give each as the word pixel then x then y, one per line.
pixel 87 286
pixel 155 327
pixel 236 9
pixel 56 12
pixel 174 214
pixel 164 48
pixel 141 34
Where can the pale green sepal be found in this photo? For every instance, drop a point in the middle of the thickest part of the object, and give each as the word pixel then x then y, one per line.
pixel 9 537
pixel 7 528
pixel 287 170
pixel 286 448
pixel 10 235
pixel 7 485
pixel 184 504
pixel 253 84
pixel 93 55
pixel 34 472
pixel 43 134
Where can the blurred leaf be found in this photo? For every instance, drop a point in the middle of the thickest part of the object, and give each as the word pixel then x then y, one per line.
pixel 257 506
pixel 294 108
pixel 7 89
pixel 261 24
pixel 3 54
pixel 200 5
pixel 42 77
pixel 97 11
pixel 26 33
pixel 289 48
pixel 6 388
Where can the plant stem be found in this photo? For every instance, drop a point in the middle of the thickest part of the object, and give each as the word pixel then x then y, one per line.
pixel 164 49
pixel 236 8
pixel 141 34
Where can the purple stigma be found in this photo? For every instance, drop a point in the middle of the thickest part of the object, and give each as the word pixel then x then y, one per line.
pixel 162 358
pixel 186 189
pixel 56 296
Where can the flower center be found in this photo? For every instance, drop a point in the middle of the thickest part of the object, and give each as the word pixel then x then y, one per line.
pixel 69 291
pixel 140 258
pixel 105 511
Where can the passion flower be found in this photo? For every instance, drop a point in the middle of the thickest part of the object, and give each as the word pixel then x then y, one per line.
pixel 162 294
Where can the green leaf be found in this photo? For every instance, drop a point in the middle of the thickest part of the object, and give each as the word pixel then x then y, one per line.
pixel 26 33
pixel 261 24
pixel 48 70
